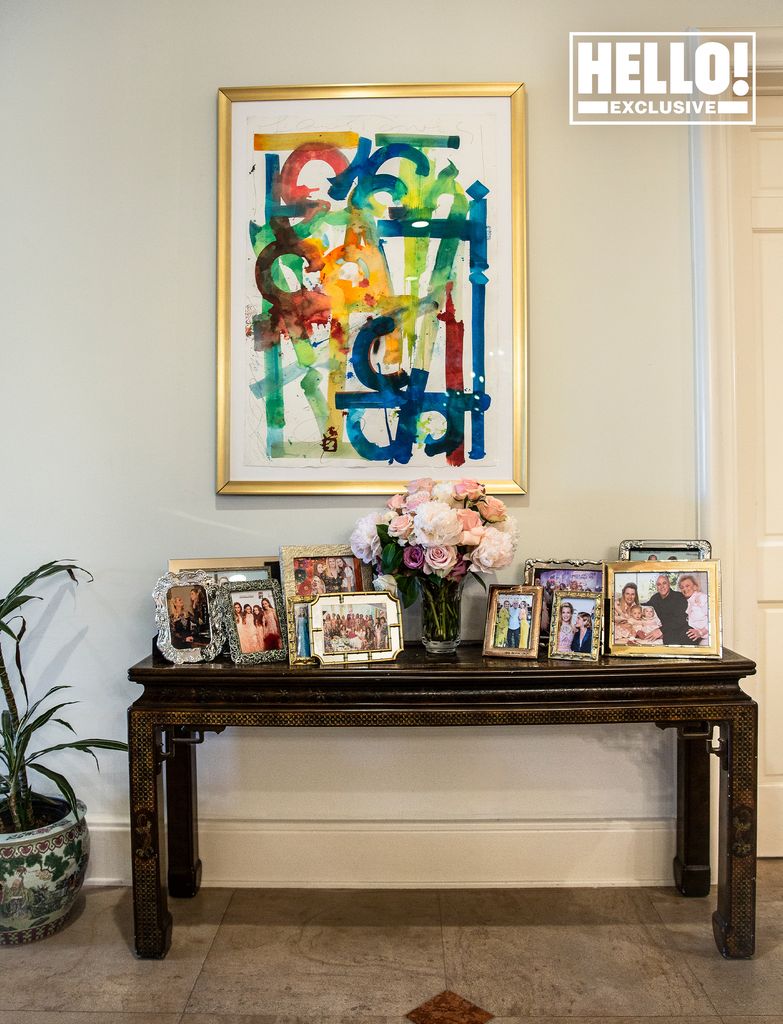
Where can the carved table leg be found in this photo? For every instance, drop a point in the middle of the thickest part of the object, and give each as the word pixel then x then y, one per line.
pixel 734 922
pixel 692 862
pixel 182 813
pixel 152 921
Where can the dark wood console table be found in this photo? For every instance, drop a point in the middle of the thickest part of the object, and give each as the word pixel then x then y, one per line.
pixel 181 703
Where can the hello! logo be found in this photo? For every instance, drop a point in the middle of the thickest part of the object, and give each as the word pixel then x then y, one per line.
pixel 662 78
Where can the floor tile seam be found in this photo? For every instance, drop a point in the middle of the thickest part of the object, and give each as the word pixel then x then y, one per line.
pixel 200 971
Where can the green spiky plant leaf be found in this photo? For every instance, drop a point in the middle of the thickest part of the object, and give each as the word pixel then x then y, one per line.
pixel 21 720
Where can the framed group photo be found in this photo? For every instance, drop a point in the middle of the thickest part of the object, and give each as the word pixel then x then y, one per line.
pixel 557 575
pixel 659 610
pixel 513 621
pixel 355 627
pixel 664 550
pixel 256 622
pixel 576 628
pixel 371 301
pixel 189 617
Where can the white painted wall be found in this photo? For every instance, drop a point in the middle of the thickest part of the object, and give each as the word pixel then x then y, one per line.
pixel 107 300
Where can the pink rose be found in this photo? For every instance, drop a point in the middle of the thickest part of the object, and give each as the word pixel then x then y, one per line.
pixel 493 509
pixel 412 501
pixel 424 483
pixel 467 488
pixel 413 556
pixel 440 559
pixel 495 551
pixel 396 502
pixel 472 527
pixel 401 528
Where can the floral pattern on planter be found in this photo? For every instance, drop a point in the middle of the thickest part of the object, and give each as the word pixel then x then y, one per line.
pixel 41 873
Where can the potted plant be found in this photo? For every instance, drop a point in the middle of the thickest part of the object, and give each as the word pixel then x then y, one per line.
pixel 44 842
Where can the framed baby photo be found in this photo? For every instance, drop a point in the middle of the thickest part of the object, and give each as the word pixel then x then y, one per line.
pixel 577 619
pixel 558 575
pixel 256 621
pixel 665 550
pixel 362 627
pixel 658 609
pixel 231 570
pixel 513 621
pixel 189 617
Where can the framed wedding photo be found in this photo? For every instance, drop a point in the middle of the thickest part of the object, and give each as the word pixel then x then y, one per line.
pixel 665 550
pixel 371 295
pixel 562 574
pixel 577 619
pixel 657 609
pixel 189 617
pixel 256 621
pixel 347 628
pixel 513 621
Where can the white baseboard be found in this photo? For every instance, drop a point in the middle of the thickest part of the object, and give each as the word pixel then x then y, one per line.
pixel 770 820
pixel 367 854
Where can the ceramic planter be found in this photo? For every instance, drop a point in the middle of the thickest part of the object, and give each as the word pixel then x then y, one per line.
pixel 41 873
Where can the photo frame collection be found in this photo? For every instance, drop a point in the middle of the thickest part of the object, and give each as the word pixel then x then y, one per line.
pixel 315 605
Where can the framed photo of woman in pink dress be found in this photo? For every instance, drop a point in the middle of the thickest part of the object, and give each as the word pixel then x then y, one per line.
pixel 256 622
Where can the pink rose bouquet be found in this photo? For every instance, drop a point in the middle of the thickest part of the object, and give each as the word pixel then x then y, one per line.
pixel 430 537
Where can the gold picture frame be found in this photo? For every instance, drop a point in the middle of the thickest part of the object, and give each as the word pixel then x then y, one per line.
pixel 376 636
pixel 582 603
pixel 497 645
pixel 231 570
pixel 691 627
pixel 258 134
pixel 291 557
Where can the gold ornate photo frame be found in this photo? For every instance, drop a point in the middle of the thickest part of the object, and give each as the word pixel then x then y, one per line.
pixel 394 224
pixel 584 623
pixel 497 630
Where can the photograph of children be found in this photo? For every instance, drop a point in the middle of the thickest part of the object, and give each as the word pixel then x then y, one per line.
pixel 188 617
pixel 350 629
pixel 588 577
pixel 657 608
pixel 327 575
pixel 256 620
pixel 513 617
pixel 576 625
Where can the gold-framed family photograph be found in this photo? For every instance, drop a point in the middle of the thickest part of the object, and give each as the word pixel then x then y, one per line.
pixel 659 610
pixel 383 221
pixel 564 574
pixel 664 550
pixel 577 625
pixel 361 627
pixel 513 621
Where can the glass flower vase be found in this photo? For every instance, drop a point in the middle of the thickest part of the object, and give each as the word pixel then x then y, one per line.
pixel 441 605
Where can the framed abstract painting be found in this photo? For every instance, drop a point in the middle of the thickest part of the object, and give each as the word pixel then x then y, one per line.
pixel 371 287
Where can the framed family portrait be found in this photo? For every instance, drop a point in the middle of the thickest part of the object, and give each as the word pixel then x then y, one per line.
pixel 660 610
pixel 513 621
pixel 231 570
pixel 665 550
pixel 256 621
pixel 355 627
pixel 189 617
pixel 577 619
pixel 371 301
pixel 558 575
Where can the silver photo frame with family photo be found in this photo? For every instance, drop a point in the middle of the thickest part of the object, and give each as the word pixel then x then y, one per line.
pixel 577 625
pixel 256 621
pixel 665 550
pixel 513 621
pixel 189 616
pixel 661 611
pixel 360 627
pixel 558 575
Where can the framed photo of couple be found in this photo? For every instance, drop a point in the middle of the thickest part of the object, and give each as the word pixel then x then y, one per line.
pixel 513 622
pixel 661 610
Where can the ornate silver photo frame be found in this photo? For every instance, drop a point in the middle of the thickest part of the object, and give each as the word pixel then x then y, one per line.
pixel 189 617
pixel 255 621
pixel 665 550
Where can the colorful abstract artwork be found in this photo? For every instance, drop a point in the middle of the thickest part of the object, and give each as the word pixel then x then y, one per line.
pixel 371 331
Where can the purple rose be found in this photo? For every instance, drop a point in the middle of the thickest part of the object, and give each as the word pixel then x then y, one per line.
pixel 413 556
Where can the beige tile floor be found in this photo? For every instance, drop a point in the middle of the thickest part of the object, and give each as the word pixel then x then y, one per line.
pixel 368 957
